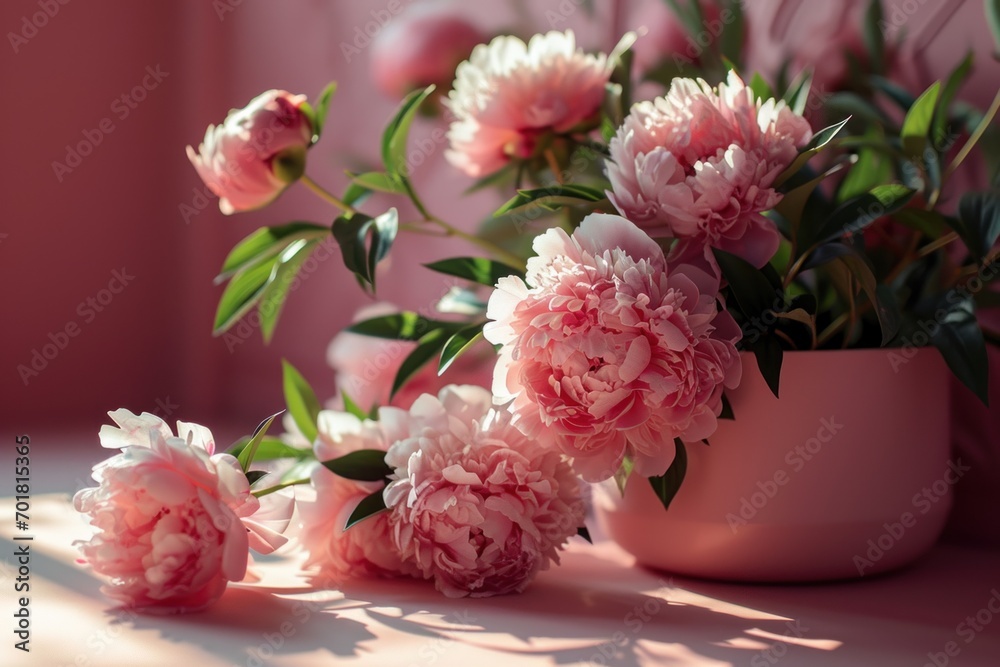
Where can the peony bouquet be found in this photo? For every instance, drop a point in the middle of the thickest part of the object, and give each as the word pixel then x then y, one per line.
pixel 641 247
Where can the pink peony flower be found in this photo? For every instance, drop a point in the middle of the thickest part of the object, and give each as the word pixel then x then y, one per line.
pixel 508 94
pixel 175 520
pixel 474 504
pixel 607 353
pixel 699 163
pixel 366 549
pixel 256 153
pixel 421 46
pixel 366 367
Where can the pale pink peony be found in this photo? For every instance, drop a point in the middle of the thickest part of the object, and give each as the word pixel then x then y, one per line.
pixel 256 153
pixel 175 520
pixel 698 165
pixel 366 549
pixel 509 94
pixel 421 46
pixel 474 504
pixel 366 367
pixel 607 353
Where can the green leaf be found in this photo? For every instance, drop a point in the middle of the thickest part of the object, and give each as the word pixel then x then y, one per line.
pixel 369 506
pixel 917 124
pixel 751 289
pixel 815 145
pixel 384 230
pixel 301 401
pixel 873 168
pixel 855 215
pixel 402 326
pixel 952 85
pixel 899 95
pixel 727 409
pixel 397 132
pixel 856 105
pixel 459 342
pixel 427 348
pixel 243 292
pixel 769 354
pixel 993 19
pixel 793 204
pixel 873 36
pixel 550 196
pixel 247 454
pixel 731 40
pixel 378 181
pixel 882 299
pixel 477 269
pixel 667 485
pixel 355 195
pixel 761 88
pixel 352 408
pixel 360 253
pixel 282 277
pixel 979 213
pixel 322 107
pixel 797 95
pixel 271 449
pixel 267 242
pixel 963 347
pixel 363 465
pixel 254 476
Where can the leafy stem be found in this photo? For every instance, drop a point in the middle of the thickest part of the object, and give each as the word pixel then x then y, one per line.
pixel 326 195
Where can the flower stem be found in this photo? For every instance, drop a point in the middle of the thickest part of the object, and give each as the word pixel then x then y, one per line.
pixel 974 139
pixel 326 195
pixel 260 493
pixel 501 254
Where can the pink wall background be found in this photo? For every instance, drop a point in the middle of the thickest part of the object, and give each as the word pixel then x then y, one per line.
pixel 150 347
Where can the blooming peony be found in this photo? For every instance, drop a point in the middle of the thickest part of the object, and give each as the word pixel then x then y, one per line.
pixel 366 549
pixel 699 165
pixel 366 366
pixel 607 353
pixel 508 94
pixel 256 153
pixel 421 46
pixel 474 504
pixel 174 519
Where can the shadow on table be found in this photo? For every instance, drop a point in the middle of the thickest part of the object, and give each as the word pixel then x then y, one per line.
pixel 249 627
pixel 574 620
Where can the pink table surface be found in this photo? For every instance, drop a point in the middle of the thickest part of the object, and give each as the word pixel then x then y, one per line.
pixel 597 608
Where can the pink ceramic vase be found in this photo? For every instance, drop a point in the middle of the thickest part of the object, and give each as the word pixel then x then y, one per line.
pixel 847 475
